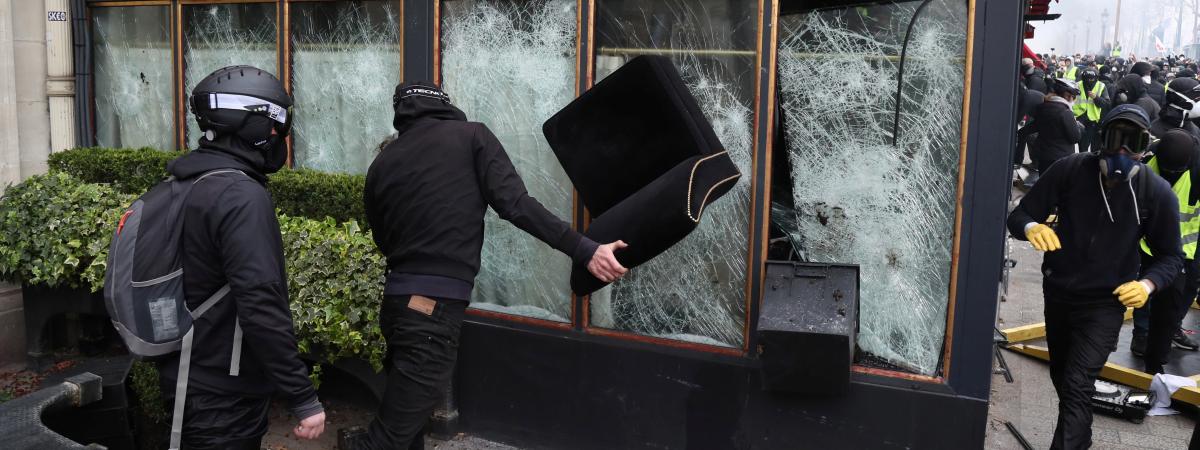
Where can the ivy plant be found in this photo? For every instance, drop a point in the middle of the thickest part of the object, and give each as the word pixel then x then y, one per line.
pixel 335 281
pixel 57 230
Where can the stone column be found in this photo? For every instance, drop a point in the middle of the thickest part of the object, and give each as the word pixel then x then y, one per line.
pixel 10 150
pixel 33 109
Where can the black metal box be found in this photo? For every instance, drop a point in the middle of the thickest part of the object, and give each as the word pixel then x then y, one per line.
pixel 807 326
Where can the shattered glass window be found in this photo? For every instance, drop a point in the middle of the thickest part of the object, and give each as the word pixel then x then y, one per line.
pixel 133 82
pixel 216 36
pixel 511 65
pixel 345 66
pixel 696 291
pixel 864 188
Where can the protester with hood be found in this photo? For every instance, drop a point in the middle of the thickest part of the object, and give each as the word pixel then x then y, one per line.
pixel 426 195
pixel 1180 109
pixel 1032 76
pixel 1104 204
pixel 1157 88
pixel 231 237
pixel 1055 125
pixel 1093 100
pixel 1156 327
pixel 1132 90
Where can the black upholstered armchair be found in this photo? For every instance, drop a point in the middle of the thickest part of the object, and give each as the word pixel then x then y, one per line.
pixel 643 158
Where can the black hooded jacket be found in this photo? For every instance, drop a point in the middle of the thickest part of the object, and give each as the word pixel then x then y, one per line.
pixel 1057 129
pixel 1100 229
pixel 1135 93
pixel 426 195
pixel 231 235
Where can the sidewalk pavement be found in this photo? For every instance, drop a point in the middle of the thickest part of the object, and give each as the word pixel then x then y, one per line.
pixel 1030 403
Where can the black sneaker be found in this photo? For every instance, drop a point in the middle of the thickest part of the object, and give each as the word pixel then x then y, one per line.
pixel 1181 340
pixel 351 438
pixel 1138 345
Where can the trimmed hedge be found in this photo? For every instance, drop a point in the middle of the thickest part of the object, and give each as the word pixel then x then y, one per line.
pixel 57 230
pixel 319 195
pixel 132 171
pixel 299 193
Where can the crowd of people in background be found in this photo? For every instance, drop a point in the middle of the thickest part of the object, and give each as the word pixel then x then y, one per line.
pixel 1113 199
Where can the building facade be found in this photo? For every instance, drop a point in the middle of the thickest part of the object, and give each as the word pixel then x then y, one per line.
pixel 868 133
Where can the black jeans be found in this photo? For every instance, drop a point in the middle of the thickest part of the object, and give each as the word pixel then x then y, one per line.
pixel 420 360
pixel 222 421
pixel 1080 339
pixel 1163 314
pixel 1090 137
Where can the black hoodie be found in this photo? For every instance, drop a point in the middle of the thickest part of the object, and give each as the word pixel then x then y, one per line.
pixel 231 235
pixel 1100 230
pixel 426 194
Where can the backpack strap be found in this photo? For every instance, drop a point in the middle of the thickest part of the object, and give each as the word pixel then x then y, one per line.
pixel 185 363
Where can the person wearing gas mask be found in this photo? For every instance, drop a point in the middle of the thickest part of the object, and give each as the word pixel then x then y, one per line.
pixel 1105 203
pixel 1156 327
pixel 1181 108
pixel 1092 100
pixel 1055 125
pixel 231 237
pixel 425 197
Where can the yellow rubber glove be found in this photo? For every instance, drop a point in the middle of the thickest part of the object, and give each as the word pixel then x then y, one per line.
pixel 1132 294
pixel 1043 238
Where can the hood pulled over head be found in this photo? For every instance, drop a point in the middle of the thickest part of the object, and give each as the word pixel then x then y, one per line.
pixel 418 100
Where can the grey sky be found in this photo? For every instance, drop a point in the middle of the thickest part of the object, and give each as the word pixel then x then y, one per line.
pixel 1139 19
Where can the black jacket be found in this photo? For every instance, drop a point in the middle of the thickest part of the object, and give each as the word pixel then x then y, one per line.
pixel 427 192
pixel 1036 80
pixel 1057 130
pixel 1100 231
pixel 231 235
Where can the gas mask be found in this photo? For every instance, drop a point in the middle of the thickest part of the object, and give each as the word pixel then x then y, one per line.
pixel 1146 79
pixel 1189 108
pixel 1122 141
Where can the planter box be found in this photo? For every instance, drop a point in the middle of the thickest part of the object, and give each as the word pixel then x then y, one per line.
pixel 42 304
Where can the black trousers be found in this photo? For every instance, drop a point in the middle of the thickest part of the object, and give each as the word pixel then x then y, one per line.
pixel 1079 339
pixel 1088 139
pixel 1167 308
pixel 420 360
pixel 222 421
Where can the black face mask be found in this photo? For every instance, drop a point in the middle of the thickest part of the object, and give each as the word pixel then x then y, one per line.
pixel 269 137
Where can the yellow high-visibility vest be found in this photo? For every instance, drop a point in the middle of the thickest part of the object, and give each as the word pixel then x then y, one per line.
pixel 1189 216
pixel 1070 75
pixel 1085 105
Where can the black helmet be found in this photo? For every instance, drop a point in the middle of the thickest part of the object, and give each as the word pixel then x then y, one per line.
pixel 1089 74
pixel 244 101
pixel 1065 86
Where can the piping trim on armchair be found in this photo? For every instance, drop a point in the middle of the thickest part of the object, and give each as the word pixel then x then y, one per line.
pixel 692 179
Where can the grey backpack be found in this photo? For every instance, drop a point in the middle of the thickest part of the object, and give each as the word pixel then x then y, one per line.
pixel 143 284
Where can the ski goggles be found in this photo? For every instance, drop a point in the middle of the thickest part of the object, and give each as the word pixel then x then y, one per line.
pixel 238 102
pixel 1123 134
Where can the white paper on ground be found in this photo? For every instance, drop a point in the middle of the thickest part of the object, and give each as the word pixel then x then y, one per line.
pixel 1165 385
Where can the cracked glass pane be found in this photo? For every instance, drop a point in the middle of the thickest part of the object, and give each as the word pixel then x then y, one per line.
pixel 216 36
pixel 511 65
pixel 345 67
pixel 855 196
pixel 133 82
pixel 696 291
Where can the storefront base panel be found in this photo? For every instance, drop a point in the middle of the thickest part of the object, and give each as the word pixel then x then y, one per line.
pixel 535 389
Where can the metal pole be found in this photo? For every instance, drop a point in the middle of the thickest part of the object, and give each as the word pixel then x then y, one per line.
pixel 1117 26
pixel 1179 27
